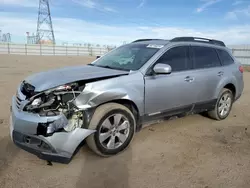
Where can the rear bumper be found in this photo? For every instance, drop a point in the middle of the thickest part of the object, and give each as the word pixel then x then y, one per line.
pixel 59 147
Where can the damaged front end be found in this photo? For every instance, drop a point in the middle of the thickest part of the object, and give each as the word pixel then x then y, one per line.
pixel 57 102
pixel 48 123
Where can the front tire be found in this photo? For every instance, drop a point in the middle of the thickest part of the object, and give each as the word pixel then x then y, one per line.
pixel 223 105
pixel 115 127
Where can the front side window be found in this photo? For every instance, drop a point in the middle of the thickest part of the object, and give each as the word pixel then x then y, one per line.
pixel 205 57
pixel 225 58
pixel 128 57
pixel 177 58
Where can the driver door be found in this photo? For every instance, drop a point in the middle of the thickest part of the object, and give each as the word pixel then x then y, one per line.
pixel 174 93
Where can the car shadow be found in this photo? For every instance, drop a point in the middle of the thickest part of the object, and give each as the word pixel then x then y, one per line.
pixel 8 151
pixel 111 172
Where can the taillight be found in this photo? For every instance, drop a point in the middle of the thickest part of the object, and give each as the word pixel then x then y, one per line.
pixel 241 69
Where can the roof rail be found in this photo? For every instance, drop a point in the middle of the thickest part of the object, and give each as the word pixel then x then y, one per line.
pixel 141 40
pixel 198 39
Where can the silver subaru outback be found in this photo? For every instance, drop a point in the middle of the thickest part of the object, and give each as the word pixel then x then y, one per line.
pixel 108 100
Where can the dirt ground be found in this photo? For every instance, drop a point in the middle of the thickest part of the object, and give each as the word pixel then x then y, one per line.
pixel 191 152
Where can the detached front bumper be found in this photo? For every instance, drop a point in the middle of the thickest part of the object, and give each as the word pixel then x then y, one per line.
pixel 39 147
pixel 59 147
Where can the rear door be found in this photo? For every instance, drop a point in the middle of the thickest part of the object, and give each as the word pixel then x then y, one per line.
pixel 208 72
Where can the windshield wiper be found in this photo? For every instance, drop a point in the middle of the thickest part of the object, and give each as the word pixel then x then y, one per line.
pixel 103 66
pixel 109 67
pixel 106 66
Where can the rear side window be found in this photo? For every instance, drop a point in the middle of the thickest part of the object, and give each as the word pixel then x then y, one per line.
pixel 205 57
pixel 177 58
pixel 225 58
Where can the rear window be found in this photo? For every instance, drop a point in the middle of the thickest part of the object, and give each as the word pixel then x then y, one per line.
pixel 225 58
pixel 205 57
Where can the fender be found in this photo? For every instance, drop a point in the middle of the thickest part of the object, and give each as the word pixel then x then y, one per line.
pixel 223 83
pixel 97 93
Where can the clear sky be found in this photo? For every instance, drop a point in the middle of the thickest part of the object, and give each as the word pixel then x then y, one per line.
pixel 115 21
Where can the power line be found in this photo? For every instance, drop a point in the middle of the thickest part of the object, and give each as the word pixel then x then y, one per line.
pixel 45 32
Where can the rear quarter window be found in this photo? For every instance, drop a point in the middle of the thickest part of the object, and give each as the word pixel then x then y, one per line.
pixel 225 58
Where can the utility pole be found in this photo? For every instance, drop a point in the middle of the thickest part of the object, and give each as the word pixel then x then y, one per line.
pixel 45 32
pixel 5 37
pixel 31 39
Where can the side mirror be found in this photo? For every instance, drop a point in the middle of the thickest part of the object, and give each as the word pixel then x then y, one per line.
pixel 97 57
pixel 162 69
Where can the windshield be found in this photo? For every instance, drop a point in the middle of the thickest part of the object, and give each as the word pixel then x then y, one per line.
pixel 128 57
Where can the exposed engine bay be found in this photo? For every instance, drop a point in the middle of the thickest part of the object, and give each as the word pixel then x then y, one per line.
pixel 56 102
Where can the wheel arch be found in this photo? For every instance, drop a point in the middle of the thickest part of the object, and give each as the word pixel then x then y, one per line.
pixel 231 87
pixel 228 84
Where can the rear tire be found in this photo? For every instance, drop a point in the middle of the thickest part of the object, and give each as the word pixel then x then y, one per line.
pixel 223 105
pixel 115 127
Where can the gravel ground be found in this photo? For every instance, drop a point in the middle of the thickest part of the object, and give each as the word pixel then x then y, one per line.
pixel 193 151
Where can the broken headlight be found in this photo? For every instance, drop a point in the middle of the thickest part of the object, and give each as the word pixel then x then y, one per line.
pixel 36 102
pixel 58 102
pixel 53 100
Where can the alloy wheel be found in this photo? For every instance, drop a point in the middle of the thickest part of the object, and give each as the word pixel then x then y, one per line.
pixel 224 104
pixel 114 131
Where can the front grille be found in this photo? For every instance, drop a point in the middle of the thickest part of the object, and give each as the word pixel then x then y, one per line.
pixel 27 90
pixel 18 102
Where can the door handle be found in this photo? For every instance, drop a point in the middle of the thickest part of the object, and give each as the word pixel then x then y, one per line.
pixel 189 79
pixel 220 73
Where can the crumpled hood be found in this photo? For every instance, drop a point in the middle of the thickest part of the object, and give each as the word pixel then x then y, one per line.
pixel 49 79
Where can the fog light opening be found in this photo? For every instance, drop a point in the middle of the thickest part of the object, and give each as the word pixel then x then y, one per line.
pixel 27 139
